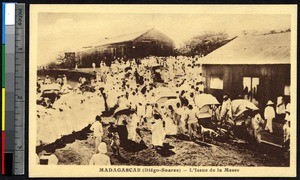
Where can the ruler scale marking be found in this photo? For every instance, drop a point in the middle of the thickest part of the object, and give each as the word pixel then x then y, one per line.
pixel 19 154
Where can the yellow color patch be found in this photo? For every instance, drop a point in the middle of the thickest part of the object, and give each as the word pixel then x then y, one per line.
pixel 3 109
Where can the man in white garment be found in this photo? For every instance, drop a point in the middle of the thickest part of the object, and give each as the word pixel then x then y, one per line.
pixel 47 80
pixel 269 115
pixel 94 66
pixel 132 127
pixel 280 108
pixel 64 78
pixel 97 132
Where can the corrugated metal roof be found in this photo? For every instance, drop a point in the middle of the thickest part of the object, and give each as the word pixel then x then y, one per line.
pixel 253 49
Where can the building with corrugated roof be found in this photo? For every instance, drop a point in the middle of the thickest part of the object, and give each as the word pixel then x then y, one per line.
pixel 257 67
pixel 129 46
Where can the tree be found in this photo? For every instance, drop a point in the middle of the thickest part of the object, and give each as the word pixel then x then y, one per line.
pixel 203 44
pixel 69 60
pixel 53 65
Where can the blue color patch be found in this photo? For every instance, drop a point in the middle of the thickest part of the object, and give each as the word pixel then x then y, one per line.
pixel 3 23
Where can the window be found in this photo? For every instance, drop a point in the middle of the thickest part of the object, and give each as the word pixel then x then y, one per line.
pixel 250 86
pixel 287 90
pixel 216 83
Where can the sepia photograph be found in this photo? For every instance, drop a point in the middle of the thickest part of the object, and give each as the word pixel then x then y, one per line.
pixel 162 90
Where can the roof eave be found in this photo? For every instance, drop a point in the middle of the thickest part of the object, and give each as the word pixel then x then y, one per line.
pixel 246 64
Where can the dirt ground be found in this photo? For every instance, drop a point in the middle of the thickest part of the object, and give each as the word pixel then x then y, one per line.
pixel 78 151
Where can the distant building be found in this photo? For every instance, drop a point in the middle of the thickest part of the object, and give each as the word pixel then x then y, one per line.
pixel 136 45
pixel 258 67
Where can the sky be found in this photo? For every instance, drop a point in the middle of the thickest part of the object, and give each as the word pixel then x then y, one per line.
pixel 60 32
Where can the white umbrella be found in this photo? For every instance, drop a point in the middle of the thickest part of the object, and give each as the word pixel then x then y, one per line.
pixel 164 99
pixel 164 93
pixel 239 106
pixel 205 99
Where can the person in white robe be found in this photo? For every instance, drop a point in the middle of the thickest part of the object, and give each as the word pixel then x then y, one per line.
pixel 158 131
pixel 280 108
pixel 97 129
pixel 269 115
pixel 183 112
pixel 94 66
pixel 132 127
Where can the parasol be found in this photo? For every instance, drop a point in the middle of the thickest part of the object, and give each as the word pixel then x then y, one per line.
pixel 239 106
pixel 202 100
pixel 162 94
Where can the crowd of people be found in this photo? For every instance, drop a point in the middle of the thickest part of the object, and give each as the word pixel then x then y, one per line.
pixel 157 93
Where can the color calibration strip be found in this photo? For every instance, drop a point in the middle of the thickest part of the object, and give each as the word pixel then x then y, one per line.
pixel 3 93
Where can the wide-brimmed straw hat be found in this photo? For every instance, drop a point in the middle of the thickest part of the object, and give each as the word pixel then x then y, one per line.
pixel 270 103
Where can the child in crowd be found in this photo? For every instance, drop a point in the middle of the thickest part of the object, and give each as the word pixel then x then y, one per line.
pixel 100 158
pixel 115 140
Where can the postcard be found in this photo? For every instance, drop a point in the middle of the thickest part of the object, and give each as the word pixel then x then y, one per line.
pixel 162 91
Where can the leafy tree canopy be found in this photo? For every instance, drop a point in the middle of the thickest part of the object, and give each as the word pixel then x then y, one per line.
pixel 203 44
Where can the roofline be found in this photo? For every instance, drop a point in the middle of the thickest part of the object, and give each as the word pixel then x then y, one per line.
pixel 158 31
pixel 113 43
pixel 142 34
pixel 238 64
pixel 130 40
